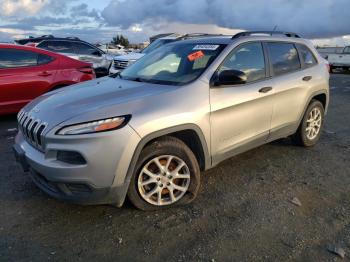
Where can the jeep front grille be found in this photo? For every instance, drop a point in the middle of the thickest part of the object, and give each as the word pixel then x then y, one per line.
pixel 32 129
pixel 120 64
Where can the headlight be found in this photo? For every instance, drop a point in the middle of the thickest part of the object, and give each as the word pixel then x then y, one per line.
pixel 95 126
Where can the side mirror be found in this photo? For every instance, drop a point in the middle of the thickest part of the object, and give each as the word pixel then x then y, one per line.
pixel 230 77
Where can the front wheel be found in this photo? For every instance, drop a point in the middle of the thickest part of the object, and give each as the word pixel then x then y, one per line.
pixel 310 128
pixel 167 174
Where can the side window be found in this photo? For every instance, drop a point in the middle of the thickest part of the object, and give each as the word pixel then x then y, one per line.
pixel 284 58
pixel 84 49
pixel 44 59
pixel 43 45
pixel 11 58
pixel 307 56
pixel 57 46
pixel 249 59
pixel 347 50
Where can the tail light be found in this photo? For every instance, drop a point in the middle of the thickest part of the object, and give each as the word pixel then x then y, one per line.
pixel 87 70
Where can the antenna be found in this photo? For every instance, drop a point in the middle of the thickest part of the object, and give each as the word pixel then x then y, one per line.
pixel 274 29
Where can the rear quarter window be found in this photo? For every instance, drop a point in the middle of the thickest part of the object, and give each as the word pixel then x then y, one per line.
pixel 44 59
pixel 57 46
pixel 284 58
pixel 307 56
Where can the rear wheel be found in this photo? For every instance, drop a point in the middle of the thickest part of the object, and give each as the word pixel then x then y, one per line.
pixel 167 174
pixel 310 128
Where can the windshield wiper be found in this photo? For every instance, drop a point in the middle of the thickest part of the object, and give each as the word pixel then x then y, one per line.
pixel 137 79
pixel 143 80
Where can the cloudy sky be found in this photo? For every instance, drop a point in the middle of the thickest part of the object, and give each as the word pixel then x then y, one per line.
pixel 327 21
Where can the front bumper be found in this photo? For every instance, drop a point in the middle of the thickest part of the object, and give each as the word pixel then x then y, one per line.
pixel 100 180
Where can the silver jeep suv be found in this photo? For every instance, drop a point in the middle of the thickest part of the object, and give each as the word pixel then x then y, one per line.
pixel 149 131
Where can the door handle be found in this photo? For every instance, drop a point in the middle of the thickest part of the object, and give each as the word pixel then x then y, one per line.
pixel 307 78
pixel 265 89
pixel 44 74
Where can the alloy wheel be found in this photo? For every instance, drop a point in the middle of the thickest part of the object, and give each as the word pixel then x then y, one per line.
pixel 313 123
pixel 163 180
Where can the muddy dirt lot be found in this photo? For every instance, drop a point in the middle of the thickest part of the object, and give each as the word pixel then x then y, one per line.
pixel 243 212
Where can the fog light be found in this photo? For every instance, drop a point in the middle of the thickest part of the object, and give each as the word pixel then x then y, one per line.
pixel 71 157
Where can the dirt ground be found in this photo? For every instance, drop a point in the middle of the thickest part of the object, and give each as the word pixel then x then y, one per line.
pixel 243 212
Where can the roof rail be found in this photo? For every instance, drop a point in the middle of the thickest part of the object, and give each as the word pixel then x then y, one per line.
pixel 249 33
pixel 46 36
pixel 73 37
pixel 197 35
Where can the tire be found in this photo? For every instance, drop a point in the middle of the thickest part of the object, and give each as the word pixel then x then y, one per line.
pixel 169 152
pixel 309 131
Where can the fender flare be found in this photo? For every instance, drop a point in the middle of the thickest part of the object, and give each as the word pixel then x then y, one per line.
pixel 319 92
pixel 122 190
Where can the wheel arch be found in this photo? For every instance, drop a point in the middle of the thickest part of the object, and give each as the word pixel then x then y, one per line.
pixel 322 96
pixel 186 132
pixel 190 134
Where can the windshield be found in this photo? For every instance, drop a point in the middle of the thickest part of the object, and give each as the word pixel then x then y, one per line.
pixel 173 64
pixel 154 45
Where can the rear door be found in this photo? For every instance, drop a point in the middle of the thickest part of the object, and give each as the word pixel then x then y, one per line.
pixel 24 75
pixel 241 114
pixel 59 46
pixel 291 83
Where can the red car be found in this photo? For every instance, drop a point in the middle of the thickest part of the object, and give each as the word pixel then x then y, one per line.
pixel 27 72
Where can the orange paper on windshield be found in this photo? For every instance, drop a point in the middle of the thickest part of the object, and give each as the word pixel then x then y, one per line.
pixel 195 55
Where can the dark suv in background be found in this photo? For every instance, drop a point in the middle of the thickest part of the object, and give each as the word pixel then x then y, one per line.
pixel 74 48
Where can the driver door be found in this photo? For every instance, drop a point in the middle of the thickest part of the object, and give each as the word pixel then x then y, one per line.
pixel 241 114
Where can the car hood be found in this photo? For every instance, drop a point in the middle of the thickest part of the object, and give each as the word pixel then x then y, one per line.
pixel 131 56
pixel 96 99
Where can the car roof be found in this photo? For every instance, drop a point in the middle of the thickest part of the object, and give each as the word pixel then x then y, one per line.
pixel 30 48
pixel 21 47
pixel 177 36
pixel 40 38
pixel 41 51
pixel 255 36
pixel 72 40
pixel 64 39
pixel 222 40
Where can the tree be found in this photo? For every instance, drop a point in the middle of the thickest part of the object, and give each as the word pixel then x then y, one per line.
pixel 120 40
